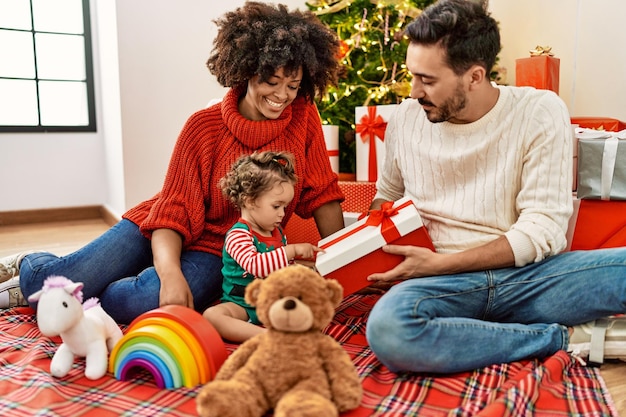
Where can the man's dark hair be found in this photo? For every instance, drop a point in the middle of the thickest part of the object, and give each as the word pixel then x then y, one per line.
pixel 259 38
pixel 463 28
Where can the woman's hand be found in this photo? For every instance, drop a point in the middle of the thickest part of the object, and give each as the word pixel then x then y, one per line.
pixel 166 249
pixel 175 290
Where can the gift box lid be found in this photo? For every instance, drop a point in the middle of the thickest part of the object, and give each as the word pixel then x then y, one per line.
pixel 360 239
pixel 599 123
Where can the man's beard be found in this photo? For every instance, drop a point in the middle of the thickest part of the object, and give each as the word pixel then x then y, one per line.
pixel 449 109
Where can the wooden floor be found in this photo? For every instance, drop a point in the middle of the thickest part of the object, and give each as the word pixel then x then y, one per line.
pixel 64 237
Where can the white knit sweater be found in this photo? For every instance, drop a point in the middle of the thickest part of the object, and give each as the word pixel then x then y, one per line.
pixel 509 173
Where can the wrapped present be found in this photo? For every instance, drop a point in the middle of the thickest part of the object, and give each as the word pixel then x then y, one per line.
pixel 371 122
pixel 597 123
pixel 331 137
pixel 359 195
pixel 540 70
pixel 601 165
pixel 355 252
pixel 599 224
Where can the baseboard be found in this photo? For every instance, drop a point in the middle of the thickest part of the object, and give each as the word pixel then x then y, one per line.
pixel 9 218
pixel 109 216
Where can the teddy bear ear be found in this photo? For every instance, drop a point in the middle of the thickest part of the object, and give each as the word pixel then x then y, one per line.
pixel 335 290
pixel 252 292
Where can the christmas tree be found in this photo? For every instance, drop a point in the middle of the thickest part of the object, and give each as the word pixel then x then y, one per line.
pixel 372 56
pixel 373 51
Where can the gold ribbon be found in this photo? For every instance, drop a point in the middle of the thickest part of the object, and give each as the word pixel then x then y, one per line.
pixel 541 50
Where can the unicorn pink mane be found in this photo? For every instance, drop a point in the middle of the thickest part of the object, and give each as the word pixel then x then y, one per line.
pixel 55 281
pixel 91 302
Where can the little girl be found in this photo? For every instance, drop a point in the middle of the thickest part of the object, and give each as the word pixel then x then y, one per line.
pixel 260 185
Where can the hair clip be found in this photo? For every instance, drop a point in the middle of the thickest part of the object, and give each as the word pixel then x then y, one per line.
pixel 280 160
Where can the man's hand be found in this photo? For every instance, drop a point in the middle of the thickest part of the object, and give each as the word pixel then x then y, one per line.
pixel 418 262
pixel 422 262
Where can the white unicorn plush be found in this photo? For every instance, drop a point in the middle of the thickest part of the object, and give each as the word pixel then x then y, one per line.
pixel 85 329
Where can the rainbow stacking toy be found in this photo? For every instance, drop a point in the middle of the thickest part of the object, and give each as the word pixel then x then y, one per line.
pixel 174 343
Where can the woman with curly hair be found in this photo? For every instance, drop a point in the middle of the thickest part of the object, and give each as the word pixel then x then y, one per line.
pixel 167 250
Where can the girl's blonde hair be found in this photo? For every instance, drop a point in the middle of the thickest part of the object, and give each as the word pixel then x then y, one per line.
pixel 254 174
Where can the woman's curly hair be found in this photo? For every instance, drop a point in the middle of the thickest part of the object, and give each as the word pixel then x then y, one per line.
pixel 254 174
pixel 259 38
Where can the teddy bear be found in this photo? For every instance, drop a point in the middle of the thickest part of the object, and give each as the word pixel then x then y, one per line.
pixel 292 367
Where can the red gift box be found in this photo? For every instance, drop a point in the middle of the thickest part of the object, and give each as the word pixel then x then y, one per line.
pixel 355 252
pixel 538 71
pixel 599 224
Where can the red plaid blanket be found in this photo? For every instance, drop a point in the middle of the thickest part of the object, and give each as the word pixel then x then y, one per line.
pixel 556 386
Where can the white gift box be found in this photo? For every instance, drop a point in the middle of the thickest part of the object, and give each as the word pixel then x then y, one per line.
pixel 353 253
pixel 371 122
pixel 331 137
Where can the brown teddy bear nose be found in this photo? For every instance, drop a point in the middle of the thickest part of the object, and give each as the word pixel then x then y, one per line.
pixel 289 304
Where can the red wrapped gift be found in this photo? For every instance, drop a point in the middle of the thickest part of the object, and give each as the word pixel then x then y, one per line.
pixel 359 195
pixel 355 252
pixel 599 224
pixel 540 71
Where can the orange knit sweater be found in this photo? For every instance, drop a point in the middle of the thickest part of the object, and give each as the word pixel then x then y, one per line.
pixel 191 202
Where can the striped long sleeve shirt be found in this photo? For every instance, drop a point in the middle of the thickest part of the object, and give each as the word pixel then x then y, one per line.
pixel 248 255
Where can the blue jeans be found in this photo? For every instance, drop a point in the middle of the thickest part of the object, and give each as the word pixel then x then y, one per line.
pixel 461 322
pixel 117 268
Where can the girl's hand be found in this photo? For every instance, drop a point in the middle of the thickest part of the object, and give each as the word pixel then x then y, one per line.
pixel 302 250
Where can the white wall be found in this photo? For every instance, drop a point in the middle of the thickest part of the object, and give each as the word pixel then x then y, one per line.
pixel 588 38
pixel 150 76
pixel 163 47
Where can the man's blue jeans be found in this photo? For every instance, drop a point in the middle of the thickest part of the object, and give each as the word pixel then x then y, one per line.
pixel 117 268
pixel 461 322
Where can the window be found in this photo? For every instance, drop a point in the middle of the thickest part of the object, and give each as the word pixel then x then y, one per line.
pixel 46 69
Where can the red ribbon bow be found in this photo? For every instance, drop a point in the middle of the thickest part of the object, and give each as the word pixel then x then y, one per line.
pixel 370 127
pixel 380 217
